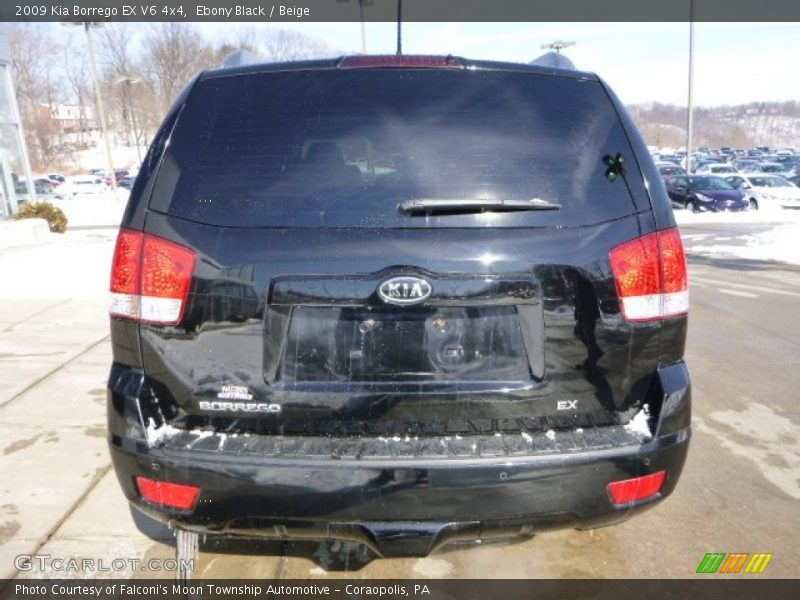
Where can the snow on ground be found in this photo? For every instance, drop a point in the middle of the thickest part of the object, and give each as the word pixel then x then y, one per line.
pixel 94 210
pixel 777 216
pixel 781 244
pixel 75 264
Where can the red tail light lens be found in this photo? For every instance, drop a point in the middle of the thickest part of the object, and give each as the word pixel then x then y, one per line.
pixel 638 488
pixel 171 495
pixel 125 271
pixel 150 278
pixel 400 61
pixel 650 275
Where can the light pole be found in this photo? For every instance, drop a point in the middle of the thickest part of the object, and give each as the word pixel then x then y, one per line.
pixel 690 106
pixel 361 5
pixel 128 82
pixel 399 27
pixel 87 26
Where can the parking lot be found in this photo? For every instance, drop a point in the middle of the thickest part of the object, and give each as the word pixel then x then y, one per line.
pixel 740 491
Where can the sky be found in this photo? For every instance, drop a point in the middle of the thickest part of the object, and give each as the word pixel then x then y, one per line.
pixel 643 62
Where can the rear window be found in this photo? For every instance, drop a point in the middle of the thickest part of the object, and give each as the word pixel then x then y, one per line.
pixel 342 148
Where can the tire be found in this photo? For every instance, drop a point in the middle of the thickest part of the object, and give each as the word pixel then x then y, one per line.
pixel 753 204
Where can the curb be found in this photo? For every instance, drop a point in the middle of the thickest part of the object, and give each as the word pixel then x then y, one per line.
pixel 23 232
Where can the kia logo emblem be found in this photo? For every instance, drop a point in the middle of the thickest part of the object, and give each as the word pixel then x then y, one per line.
pixel 404 290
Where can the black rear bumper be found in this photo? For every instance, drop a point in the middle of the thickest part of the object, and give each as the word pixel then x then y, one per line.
pixel 400 497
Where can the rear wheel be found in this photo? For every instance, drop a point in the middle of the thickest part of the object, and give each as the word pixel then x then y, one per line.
pixel 753 204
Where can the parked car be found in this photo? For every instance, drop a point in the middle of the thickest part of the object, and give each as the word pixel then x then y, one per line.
pixel 670 158
pixel 119 174
pixel 669 169
pixel 766 191
pixel 749 165
pixel 46 184
pixel 774 168
pixel 85 184
pixel 715 169
pixel 305 350
pixel 794 179
pixel 56 178
pixel 22 191
pixel 126 182
pixel 706 193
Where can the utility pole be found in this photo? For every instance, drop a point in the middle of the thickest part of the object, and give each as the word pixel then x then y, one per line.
pixel 399 26
pixel 128 82
pixel 100 110
pixel 87 26
pixel 361 5
pixel 557 45
pixel 690 105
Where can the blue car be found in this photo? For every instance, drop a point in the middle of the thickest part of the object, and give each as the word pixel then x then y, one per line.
pixel 705 193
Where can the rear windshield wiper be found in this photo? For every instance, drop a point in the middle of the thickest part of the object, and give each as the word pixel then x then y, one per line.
pixel 460 206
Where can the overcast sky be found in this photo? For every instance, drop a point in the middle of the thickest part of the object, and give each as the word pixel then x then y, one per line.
pixel 643 62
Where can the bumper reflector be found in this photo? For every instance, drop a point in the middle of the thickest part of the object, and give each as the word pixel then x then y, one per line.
pixel 638 488
pixel 171 495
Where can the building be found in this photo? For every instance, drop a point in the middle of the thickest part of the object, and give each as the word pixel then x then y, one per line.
pixel 15 170
pixel 69 118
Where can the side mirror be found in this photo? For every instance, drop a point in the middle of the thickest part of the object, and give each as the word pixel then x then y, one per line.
pixel 745 186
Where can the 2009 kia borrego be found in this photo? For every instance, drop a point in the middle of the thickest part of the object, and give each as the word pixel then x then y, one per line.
pixel 400 301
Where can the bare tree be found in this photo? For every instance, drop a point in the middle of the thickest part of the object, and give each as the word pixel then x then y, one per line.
pixel 121 75
pixel 282 45
pixel 243 37
pixel 34 55
pixel 77 78
pixel 173 52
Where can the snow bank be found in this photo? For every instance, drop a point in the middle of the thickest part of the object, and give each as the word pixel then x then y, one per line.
pixel 781 244
pixel 775 216
pixel 94 210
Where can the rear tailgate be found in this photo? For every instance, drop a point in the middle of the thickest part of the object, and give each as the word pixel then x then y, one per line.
pixel 268 346
pixel 286 185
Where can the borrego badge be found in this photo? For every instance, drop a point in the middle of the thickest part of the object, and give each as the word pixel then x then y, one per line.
pixel 404 290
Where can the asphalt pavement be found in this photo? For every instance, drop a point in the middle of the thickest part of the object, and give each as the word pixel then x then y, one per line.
pixel 740 490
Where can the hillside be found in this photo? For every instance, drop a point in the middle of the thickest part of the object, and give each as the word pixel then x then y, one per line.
pixel 774 124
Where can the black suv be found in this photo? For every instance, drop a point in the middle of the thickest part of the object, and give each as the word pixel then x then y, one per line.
pixel 400 301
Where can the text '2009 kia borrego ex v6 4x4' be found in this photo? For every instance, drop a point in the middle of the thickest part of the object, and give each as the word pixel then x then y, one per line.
pixel 401 301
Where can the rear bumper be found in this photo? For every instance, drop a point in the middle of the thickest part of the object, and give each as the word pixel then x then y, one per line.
pixel 419 495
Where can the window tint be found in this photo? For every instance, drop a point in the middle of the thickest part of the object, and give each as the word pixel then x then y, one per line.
pixel 710 183
pixel 345 147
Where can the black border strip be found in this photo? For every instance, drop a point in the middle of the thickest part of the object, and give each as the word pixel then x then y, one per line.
pixel 745 587
pixel 412 10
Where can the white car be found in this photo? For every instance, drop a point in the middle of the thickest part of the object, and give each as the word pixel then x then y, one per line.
pixel 85 184
pixel 766 191
pixel 716 169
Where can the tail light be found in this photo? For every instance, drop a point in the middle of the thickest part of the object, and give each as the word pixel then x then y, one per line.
pixel 638 488
pixel 150 278
pixel 650 275
pixel 164 493
pixel 400 61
